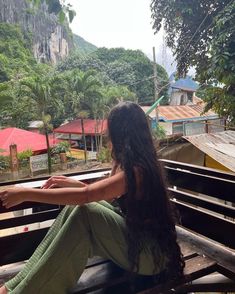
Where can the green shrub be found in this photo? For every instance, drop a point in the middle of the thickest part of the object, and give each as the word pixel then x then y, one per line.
pixel 104 155
pixel 159 133
pixel 4 162
pixel 24 156
pixel 61 147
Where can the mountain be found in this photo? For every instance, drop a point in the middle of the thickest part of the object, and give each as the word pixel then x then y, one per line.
pixel 82 45
pixel 50 40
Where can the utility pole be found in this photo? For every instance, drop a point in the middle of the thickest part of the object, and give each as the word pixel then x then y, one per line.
pixel 155 83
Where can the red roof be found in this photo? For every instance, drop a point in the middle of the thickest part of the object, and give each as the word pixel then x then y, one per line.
pixel 24 140
pixel 91 127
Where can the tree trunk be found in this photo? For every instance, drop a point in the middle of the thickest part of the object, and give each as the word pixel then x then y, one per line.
pixel 84 140
pixel 101 133
pixel 48 150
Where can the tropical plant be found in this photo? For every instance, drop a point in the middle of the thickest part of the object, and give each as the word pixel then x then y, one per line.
pixel 61 147
pixel 104 155
pixel 120 67
pixel 24 157
pixel 4 162
pixel 201 33
pixel 159 132
pixel 38 89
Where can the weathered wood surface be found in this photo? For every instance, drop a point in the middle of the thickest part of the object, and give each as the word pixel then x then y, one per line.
pixel 208 217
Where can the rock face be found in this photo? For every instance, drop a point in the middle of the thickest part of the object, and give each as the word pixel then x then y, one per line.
pixel 51 41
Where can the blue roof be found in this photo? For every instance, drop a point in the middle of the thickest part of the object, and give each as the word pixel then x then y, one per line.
pixel 185 84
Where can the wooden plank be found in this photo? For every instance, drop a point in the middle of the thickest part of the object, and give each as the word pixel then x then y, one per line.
pixel 195 268
pixel 216 187
pixel 21 246
pixel 205 288
pixel 90 174
pixel 223 255
pixel 29 219
pixel 203 202
pixel 100 277
pixel 187 250
pixel 207 224
pixel 198 169
pixel 26 205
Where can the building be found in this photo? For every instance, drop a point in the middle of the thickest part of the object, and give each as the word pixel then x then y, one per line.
pixel 217 149
pixel 72 131
pixel 186 119
pixel 182 91
pixel 24 140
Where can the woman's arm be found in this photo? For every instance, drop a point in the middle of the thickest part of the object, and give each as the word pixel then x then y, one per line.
pixel 106 189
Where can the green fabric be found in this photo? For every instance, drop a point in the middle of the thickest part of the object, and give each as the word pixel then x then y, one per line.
pixel 78 232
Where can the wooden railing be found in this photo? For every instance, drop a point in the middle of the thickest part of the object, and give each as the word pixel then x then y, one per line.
pixel 205 201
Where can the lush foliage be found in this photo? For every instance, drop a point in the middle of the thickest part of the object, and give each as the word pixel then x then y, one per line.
pixel 59 7
pixel 16 59
pixel 117 66
pixel 104 155
pixel 23 157
pixel 61 147
pixel 202 34
pixel 82 46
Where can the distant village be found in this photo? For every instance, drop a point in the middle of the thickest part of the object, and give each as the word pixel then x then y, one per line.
pixel 187 134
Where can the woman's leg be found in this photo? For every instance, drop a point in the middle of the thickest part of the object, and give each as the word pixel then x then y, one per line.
pixel 67 237
pixel 79 232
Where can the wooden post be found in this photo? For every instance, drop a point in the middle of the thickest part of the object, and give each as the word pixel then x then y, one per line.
pixel 14 162
pixel 155 83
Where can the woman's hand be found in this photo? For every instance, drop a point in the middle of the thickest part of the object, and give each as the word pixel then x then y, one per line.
pixel 13 196
pixel 62 182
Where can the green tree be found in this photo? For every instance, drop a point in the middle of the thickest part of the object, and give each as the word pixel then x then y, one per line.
pixel 201 33
pixel 16 58
pixel 62 9
pixel 85 97
pixel 38 89
pixel 86 92
pixel 117 66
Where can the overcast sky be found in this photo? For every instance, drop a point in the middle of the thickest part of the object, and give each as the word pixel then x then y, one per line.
pixel 116 23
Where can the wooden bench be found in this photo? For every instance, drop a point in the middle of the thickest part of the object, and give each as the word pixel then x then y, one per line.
pixel 206 235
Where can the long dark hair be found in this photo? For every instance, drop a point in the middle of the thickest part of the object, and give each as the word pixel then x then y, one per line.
pixel 149 218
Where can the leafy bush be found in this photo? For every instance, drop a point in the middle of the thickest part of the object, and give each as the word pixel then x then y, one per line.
pixel 24 157
pixel 104 155
pixel 61 147
pixel 159 133
pixel 4 162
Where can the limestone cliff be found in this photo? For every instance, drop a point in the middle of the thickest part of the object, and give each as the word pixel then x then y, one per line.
pixel 51 41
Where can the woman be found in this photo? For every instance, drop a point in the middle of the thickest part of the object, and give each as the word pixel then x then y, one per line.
pixel 140 238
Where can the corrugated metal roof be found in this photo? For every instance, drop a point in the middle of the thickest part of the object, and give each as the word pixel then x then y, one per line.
pixel 178 113
pixel 91 127
pixel 174 113
pixel 220 146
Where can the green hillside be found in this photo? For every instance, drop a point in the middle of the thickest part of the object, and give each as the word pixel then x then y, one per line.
pixel 82 45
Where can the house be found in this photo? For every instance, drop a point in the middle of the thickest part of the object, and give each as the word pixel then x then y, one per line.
pixel 186 119
pixel 73 131
pixel 24 140
pixel 35 126
pixel 181 91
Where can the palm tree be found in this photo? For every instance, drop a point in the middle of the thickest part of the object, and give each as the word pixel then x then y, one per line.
pixel 38 89
pixel 86 96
